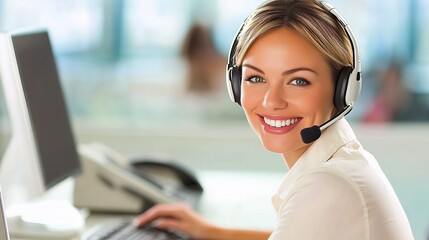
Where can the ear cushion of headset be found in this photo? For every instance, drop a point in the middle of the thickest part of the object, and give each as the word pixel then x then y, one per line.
pixel 235 76
pixel 341 88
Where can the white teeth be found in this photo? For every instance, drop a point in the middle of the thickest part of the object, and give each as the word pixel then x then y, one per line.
pixel 280 123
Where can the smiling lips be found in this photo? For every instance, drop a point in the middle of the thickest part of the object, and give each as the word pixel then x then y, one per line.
pixel 278 125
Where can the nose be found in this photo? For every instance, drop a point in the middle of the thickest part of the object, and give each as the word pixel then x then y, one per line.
pixel 275 98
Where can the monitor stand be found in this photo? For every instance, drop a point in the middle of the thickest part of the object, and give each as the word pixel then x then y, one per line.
pixel 49 216
pixel 48 219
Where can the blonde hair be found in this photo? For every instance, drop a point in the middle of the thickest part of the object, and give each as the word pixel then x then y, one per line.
pixel 309 18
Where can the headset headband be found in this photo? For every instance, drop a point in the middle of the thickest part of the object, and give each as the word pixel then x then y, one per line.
pixel 348 92
pixel 351 36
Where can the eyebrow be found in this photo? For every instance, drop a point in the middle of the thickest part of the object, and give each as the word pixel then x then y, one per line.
pixel 287 72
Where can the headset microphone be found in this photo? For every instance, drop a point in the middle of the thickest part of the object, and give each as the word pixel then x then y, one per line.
pixel 311 134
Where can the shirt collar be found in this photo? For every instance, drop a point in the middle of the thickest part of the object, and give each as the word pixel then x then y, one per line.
pixel 332 138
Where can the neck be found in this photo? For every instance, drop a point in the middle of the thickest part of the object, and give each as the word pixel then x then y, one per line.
pixel 292 157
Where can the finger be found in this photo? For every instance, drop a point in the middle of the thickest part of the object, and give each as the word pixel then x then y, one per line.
pixel 161 211
pixel 141 220
pixel 169 223
pixel 146 217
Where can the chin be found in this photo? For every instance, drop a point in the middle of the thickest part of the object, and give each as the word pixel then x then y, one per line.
pixel 277 145
pixel 272 149
pixel 282 143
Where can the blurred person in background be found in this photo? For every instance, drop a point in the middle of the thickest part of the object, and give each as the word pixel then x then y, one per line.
pixel 394 101
pixel 205 65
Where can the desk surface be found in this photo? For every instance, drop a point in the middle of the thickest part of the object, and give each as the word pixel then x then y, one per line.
pixel 231 199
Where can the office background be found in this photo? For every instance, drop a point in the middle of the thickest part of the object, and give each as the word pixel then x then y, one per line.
pixel 146 76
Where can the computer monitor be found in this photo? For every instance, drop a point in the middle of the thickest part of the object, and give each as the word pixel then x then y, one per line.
pixel 42 150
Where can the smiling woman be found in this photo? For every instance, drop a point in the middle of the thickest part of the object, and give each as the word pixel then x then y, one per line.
pixel 293 66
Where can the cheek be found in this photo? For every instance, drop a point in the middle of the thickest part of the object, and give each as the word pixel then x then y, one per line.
pixel 251 100
pixel 250 97
pixel 320 101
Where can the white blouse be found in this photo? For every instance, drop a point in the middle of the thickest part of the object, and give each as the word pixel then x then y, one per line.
pixel 336 190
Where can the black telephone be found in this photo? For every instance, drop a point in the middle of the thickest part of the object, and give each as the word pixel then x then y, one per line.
pixel 163 173
pixel 112 183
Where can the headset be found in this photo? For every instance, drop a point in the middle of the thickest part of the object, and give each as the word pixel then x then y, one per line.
pixel 347 89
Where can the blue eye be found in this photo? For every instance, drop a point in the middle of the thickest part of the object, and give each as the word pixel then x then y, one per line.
pixel 300 82
pixel 255 79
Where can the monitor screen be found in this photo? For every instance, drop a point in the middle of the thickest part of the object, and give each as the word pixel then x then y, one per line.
pixel 45 106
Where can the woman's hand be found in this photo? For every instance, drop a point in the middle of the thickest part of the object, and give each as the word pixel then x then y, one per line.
pixel 183 218
pixel 178 217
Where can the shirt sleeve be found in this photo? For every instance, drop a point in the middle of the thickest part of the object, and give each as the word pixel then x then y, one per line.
pixel 323 204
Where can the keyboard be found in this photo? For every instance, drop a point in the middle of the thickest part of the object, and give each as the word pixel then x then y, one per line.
pixel 122 229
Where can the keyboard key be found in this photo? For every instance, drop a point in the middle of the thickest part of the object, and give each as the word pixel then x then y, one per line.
pixel 123 230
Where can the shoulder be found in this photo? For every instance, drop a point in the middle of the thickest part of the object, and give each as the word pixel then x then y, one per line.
pixel 336 186
pixel 323 204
